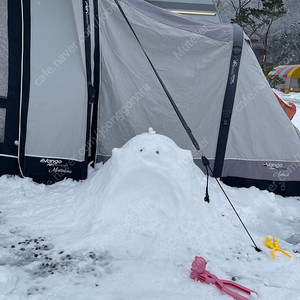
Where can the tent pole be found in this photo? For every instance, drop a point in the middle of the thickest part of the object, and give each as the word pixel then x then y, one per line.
pixel 205 161
pixel 97 67
pixel 90 86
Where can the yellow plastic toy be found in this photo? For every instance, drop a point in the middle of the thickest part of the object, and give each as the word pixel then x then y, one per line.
pixel 275 246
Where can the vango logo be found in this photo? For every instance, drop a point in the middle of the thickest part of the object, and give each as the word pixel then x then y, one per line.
pixel 51 162
pixel 273 166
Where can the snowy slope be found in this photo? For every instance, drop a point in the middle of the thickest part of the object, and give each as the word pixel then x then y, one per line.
pixel 131 231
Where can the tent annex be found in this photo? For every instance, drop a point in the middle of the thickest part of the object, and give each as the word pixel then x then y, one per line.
pixel 76 83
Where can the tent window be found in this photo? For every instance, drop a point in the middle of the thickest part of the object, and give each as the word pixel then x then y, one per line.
pixel 2 124
pixel 3 49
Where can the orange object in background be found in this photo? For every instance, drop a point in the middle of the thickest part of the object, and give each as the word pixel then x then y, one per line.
pixel 289 108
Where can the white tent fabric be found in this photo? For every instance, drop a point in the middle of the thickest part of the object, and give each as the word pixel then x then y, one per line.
pixel 255 101
pixel 56 123
pixel 77 11
pixel 195 83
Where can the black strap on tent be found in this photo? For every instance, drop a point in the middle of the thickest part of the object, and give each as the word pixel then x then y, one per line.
pixel 90 86
pixel 97 59
pixel 25 81
pixel 229 99
pixel 205 161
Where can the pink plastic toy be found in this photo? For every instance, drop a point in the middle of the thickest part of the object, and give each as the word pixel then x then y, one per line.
pixel 198 272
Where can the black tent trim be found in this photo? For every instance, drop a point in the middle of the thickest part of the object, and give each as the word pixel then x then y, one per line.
pixel 90 86
pixel 97 66
pixel 25 83
pixel 238 37
pixel 283 188
pixel 9 149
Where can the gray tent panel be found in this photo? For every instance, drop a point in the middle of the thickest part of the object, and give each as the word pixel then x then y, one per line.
pixel 254 130
pixel 217 31
pixel 56 123
pixel 139 99
pixel 262 143
pixel 197 84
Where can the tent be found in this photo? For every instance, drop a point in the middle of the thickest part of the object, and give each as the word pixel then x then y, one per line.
pixel 290 74
pixel 76 83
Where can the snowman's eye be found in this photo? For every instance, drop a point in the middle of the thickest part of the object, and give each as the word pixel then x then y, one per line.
pixel 141 150
pixel 157 152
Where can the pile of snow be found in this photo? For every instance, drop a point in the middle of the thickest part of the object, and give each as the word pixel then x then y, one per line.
pixel 131 231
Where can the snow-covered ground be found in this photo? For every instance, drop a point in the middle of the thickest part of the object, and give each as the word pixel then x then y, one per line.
pixel 132 230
